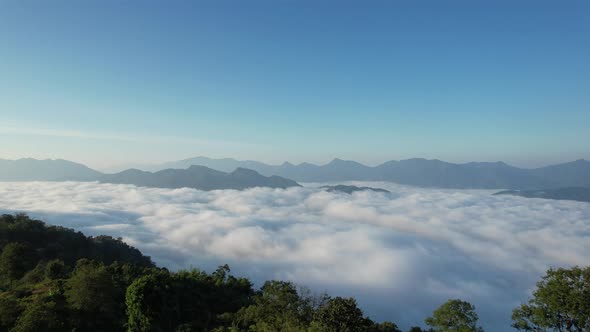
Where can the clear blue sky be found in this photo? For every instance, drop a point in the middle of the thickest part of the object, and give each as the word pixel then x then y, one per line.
pixel 108 82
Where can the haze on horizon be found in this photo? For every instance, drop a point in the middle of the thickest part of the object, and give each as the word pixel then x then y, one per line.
pixel 108 82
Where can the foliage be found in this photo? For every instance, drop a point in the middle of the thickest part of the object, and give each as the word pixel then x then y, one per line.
pixel 40 316
pixel 193 300
pixel 277 307
pixel 150 303
pixel 454 316
pixel 561 302
pixel 16 259
pixel 54 242
pixel 35 277
pixel 92 294
pixel 55 269
pixel 342 315
pixel 9 311
pixel 416 329
pixel 385 327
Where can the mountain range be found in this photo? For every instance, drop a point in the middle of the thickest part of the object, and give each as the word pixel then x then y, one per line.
pixel 230 173
pixel 198 177
pixel 29 169
pixel 580 194
pixel 415 172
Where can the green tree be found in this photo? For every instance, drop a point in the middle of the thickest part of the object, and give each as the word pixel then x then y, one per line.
pixel 341 315
pixel 152 303
pixel 90 288
pixel 386 327
pixel 10 310
pixel 212 299
pixel 55 269
pixel 278 307
pixel 16 259
pixel 561 302
pixel 91 292
pixel 415 329
pixel 40 316
pixel 454 316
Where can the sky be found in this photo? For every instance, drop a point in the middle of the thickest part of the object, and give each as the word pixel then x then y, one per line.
pixel 116 82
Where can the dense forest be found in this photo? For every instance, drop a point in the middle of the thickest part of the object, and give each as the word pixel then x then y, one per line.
pixel 55 279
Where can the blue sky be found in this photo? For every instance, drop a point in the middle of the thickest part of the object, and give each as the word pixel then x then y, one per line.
pixel 111 82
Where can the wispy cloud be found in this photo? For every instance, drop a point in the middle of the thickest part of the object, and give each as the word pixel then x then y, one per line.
pixel 400 254
pixel 14 129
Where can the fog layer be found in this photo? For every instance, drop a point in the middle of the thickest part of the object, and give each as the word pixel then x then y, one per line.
pixel 400 254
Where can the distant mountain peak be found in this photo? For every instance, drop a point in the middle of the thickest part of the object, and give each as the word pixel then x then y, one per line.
pixel 422 160
pixel 244 171
pixel 197 167
pixel 338 161
pixel 134 170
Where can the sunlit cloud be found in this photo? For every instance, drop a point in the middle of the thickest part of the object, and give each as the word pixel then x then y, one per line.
pixel 400 254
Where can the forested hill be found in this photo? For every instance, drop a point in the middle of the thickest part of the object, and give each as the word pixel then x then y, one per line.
pixel 56 279
pixel 39 242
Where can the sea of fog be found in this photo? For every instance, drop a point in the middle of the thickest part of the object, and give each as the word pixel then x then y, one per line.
pixel 400 254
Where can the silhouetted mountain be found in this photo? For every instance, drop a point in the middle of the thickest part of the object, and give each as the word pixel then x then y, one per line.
pixel 422 172
pixel 351 189
pixel 335 170
pixel 414 172
pixel 198 177
pixel 223 164
pixel 581 194
pixel 29 169
pixel 572 174
pixel 436 173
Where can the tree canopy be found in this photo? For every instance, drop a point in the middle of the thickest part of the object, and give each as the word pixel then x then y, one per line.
pixel 561 302
pixel 454 316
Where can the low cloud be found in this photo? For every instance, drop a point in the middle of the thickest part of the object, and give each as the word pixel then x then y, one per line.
pixel 399 254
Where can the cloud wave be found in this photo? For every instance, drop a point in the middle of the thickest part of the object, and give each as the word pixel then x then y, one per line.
pixel 400 254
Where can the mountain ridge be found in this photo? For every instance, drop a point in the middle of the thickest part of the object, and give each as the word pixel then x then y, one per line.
pixel 198 177
pixel 30 169
pixel 415 172
pixel 419 172
pixel 579 194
